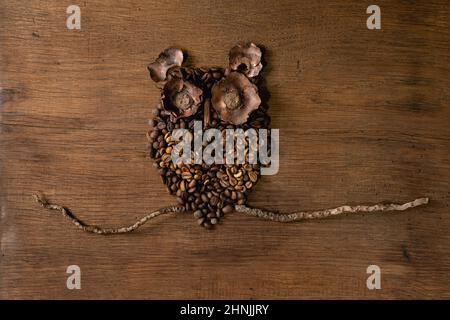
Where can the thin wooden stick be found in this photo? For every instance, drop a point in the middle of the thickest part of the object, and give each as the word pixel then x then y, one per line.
pixel 305 215
pixel 104 231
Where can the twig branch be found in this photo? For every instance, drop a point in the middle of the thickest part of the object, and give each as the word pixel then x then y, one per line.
pixel 104 231
pixel 305 215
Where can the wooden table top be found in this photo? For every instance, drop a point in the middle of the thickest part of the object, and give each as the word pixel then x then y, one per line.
pixel 363 116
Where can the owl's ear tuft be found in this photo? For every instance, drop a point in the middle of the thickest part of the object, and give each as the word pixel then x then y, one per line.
pixel 169 58
pixel 246 59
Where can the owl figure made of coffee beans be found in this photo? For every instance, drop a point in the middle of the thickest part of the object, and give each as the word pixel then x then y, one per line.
pixel 204 137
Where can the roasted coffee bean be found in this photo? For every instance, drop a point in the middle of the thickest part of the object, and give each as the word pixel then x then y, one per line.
pixel 253 176
pixel 198 214
pixel 165 157
pixel 207 225
pixel 204 198
pixel 161 125
pixel 154 134
pixel 182 185
pixel 186 175
pixel 180 200
pixel 227 209
pixel 192 190
pixel 224 184
pixel 192 184
pixel 233 181
pixel 214 221
pixel 214 201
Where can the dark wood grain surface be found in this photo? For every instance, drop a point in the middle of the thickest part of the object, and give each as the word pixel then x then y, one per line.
pixel 363 115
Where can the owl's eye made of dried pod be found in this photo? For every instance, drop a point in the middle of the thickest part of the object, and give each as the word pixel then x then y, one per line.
pixel 246 58
pixel 181 98
pixel 169 58
pixel 234 98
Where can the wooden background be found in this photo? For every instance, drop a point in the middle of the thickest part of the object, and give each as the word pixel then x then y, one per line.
pixel 363 114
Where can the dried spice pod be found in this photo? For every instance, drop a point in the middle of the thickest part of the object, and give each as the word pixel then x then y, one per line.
pixel 246 58
pixel 181 98
pixel 169 58
pixel 234 98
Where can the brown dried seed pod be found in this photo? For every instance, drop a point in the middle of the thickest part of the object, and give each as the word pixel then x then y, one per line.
pixel 246 58
pixel 170 57
pixel 234 98
pixel 181 98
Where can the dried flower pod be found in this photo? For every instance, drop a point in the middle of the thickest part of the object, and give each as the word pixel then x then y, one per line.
pixel 246 59
pixel 170 57
pixel 234 98
pixel 181 98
